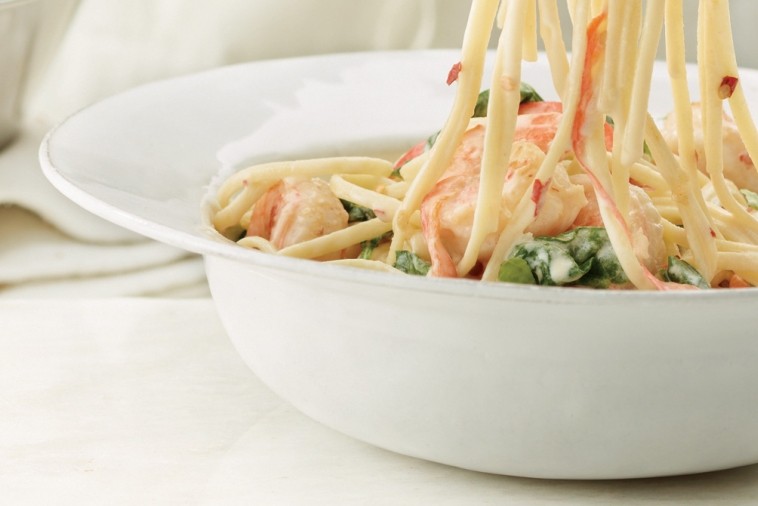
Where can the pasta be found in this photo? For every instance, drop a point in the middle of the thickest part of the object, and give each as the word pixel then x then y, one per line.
pixel 588 191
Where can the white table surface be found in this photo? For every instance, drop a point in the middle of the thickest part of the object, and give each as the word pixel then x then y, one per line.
pixel 144 401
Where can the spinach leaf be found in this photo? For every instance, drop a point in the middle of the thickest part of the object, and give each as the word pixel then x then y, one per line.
pixel 432 139
pixel 482 101
pixel 516 270
pixel 550 262
pixel 751 198
pixel 368 247
pixel 681 272
pixel 528 94
pixel 646 151
pixel 357 213
pixel 410 263
pixel 606 269
pixel 582 257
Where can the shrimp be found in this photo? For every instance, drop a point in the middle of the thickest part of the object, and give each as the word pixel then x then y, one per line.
pixel 447 212
pixel 295 210
pixel 537 122
pixel 728 279
pixel 589 215
pixel 738 166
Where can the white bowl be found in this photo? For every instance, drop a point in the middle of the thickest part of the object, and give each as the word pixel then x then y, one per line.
pixel 530 381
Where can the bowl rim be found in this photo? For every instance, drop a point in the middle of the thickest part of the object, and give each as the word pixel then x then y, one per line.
pixel 206 241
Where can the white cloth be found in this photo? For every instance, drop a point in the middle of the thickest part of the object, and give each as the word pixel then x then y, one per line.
pixel 113 45
pixel 144 401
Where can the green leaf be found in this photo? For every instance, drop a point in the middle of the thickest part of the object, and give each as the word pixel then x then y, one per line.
pixel 582 257
pixel 432 139
pixel 550 262
pixel 681 272
pixel 368 247
pixel 482 101
pixel 357 213
pixel 646 151
pixel 528 94
pixel 516 270
pixel 241 234
pixel 410 263
pixel 751 198
pixel 606 269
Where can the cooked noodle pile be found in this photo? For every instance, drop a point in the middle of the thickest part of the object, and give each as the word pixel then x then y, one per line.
pixel 586 191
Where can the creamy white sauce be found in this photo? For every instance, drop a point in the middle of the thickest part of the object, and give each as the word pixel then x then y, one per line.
pixel 560 267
